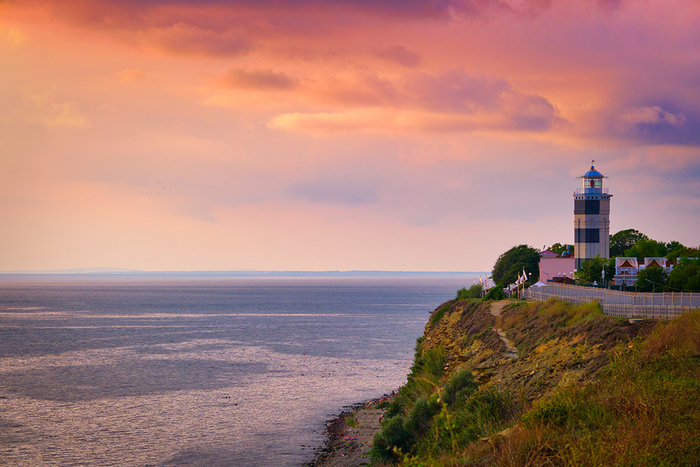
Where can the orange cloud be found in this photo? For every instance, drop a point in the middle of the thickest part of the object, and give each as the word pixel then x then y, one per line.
pixel 43 107
pixel 131 75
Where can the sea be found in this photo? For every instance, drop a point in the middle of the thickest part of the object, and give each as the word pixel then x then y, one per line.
pixel 198 371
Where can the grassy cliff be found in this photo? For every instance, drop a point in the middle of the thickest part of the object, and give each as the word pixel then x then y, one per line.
pixel 582 389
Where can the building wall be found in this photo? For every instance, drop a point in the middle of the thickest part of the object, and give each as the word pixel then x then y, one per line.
pixel 556 267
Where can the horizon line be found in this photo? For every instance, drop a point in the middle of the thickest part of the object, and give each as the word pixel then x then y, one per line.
pixel 240 272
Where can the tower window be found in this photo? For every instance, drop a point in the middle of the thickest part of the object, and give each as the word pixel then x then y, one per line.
pixel 587 206
pixel 587 235
pixel 592 183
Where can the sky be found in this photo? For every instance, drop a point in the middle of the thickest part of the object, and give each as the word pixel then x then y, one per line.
pixel 396 135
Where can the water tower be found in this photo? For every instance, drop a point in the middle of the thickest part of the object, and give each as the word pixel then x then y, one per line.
pixel 591 218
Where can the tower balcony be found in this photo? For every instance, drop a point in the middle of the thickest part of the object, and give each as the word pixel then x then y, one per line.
pixel 591 191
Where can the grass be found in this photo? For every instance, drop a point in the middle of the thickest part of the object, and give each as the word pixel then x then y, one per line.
pixel 640 405
pixel 351 421
pixel 643 410
pixel 440 312
pixel 535 323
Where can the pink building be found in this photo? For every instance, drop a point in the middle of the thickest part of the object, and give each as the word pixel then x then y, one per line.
pixel 553 267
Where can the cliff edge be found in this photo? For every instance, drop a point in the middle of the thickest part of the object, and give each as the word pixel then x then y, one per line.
pixel 518 383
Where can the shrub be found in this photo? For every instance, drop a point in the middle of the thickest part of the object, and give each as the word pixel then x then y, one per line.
pixel 418 420
pixel 556 411
pixel 474 291
pixel 675 338
pixel 434 363
pixel 351 421
pixel 461 385
pixel 491 408
pixel 495 293
pixel 393 434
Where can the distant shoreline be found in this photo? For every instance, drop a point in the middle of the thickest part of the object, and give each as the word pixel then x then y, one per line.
pixel 114 273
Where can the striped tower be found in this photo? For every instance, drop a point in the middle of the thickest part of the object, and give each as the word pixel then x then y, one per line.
pixel 591 218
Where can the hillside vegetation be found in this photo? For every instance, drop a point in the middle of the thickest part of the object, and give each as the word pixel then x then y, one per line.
pixel 584 389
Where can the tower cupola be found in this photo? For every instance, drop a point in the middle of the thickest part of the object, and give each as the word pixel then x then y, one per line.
pixel 592 181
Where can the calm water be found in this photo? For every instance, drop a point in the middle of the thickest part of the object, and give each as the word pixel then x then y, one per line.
pixel 197 372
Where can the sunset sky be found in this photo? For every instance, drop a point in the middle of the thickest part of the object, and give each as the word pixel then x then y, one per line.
pixel 338 135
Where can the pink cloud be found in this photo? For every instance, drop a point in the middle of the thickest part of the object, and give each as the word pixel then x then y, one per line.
pixel 185 39
pixel 454 91
pixel 403 112
pixel 360 90
pixel 102 10
pixel 257 79
pixel 651 116
pixel 448 101
pixel 400 55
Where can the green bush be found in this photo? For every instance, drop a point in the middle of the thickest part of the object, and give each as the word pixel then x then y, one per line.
pixel 418 420
pixel 393 435
pixel 461 385
pixel 491 408
pixel 556 411
pixel 433 363
pixel 474 291
pixel 495 293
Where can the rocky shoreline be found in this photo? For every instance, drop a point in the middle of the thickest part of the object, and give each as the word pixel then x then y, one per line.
pixel 348 446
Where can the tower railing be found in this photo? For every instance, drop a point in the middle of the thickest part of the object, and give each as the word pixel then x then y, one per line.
pixel 591 191
pixel 616 303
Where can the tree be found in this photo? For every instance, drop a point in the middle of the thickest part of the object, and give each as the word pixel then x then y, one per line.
pixel 685 276
pixel 592 270
pixel 677 250
pixel 559 248
pixel 646 248
pixel 624 240
pixel 652 279
pixel 511 264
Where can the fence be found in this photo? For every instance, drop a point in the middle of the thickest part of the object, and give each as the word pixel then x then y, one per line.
pixel 616 303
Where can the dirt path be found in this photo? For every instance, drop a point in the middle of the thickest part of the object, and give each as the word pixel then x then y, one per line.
pixel 496 307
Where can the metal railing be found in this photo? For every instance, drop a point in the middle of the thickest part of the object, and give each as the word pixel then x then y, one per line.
pixel 592 191
pixel 615 303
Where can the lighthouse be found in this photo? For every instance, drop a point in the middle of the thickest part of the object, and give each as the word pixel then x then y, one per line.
pixel 591 218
